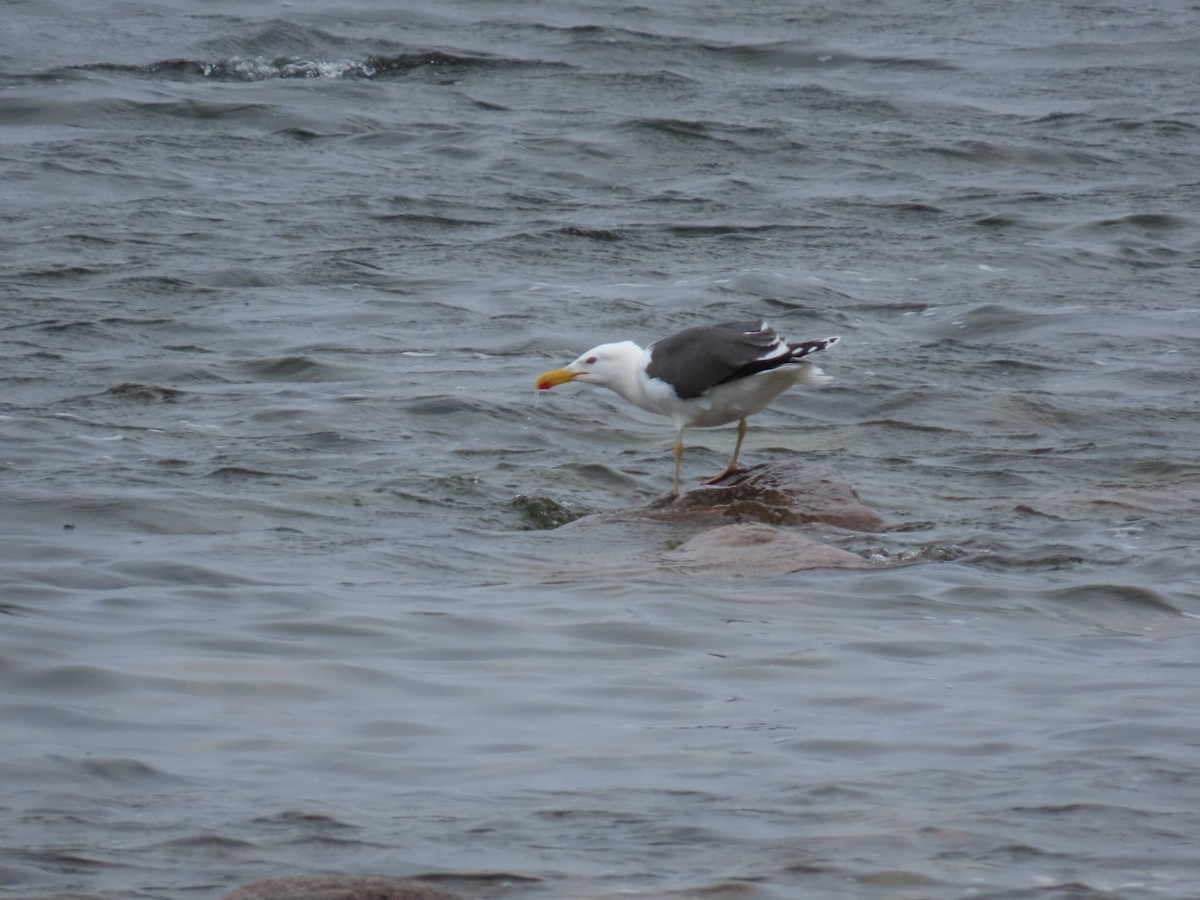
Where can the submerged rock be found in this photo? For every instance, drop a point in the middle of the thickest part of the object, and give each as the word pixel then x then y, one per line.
pixel 757 550
pixel 544 513
pixel 744 526
pixel 340 887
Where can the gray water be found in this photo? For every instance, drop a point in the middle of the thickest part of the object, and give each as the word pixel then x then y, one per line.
pixel 275 283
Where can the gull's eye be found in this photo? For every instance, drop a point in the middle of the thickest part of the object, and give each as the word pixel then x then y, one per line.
pixel 591 361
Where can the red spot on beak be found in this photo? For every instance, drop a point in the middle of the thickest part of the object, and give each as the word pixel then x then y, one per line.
pixel 547 380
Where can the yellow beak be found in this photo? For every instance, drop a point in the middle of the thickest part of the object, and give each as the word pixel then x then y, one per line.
pixel 555 377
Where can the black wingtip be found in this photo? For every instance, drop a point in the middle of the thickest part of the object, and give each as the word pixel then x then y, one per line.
pixel 803 348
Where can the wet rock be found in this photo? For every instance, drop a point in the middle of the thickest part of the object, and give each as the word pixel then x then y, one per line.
pixel 340 888
pixel 775 494
pixel 544 513
pixel 746 524
pixel 757 550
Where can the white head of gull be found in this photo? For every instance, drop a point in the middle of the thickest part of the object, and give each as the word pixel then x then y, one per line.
pixel 703 376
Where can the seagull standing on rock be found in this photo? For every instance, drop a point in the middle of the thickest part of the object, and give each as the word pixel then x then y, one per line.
pixel 704 376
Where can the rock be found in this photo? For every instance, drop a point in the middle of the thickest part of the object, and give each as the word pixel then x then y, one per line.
pixel 757 550
pixel 340 887
pixel 775 494
pixel 738 520
pixel 544 513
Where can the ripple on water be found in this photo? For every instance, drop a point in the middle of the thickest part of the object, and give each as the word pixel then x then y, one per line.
pixel 275 297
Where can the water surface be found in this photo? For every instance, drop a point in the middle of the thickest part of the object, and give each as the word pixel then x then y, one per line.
pixel 275 286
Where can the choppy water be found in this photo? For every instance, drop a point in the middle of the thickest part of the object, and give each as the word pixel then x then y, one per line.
pixel 274 288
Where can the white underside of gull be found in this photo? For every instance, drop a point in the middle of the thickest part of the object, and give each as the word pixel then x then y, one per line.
pixel 724 403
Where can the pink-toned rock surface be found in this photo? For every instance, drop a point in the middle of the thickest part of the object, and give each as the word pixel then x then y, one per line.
pixel 770 502
pixel 757 550
pixel 775 494
pixel 340 888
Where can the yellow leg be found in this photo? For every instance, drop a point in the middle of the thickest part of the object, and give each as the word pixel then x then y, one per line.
pixel 678 461
pixel 733 461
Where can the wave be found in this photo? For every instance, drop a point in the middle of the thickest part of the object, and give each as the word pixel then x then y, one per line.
pixel 265 68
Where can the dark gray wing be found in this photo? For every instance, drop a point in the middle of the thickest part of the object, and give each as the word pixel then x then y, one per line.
pixel 698 359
